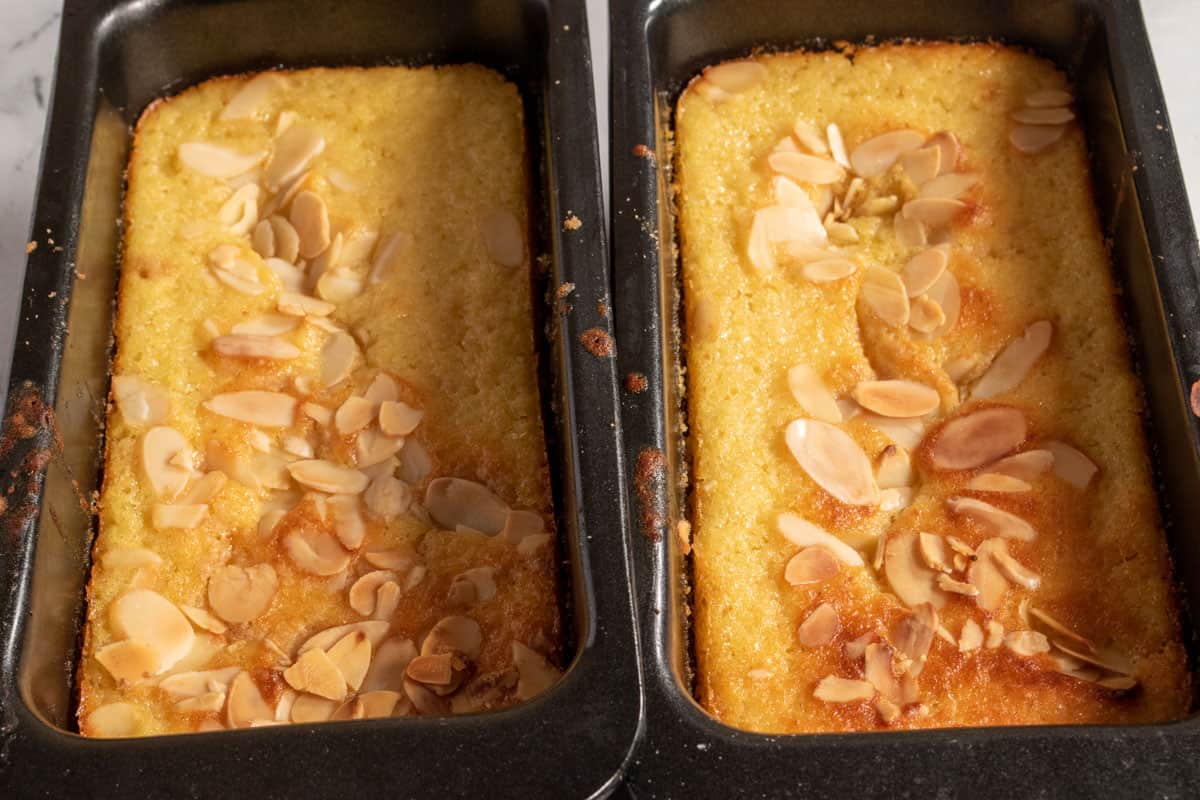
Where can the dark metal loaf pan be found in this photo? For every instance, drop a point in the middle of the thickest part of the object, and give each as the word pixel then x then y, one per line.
pixel 116 56
pixel 657 47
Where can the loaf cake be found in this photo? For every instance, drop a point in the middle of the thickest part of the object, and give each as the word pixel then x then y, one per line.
pixel 921 494
pixel 326 492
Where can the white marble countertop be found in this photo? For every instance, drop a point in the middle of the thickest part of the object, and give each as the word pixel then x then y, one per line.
pixel 29 37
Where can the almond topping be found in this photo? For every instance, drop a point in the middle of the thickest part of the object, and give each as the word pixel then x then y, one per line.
pixel 884 293
pixel 503 237
pixel 933 211
pixel 1015 361
pixel 833 689
pixel 978 437
pixel 310 218
pixel 811 565
pixel 434 670
pixel 534 673
pixel 948 584
pixel 347 522
pixel 339 355
pixel 947 143
pixel 820 627
pixel 147 617
pixel 1110 660
pixel 339 285
pixel 166 461
pixel 326 476
pixel 995 521
pixel 1071 465
pixel 253 346
pixel 995 482
pixel 971 637
pixel 295 148
pixel 949 186
pixel 1055 629
pixel 239 213
pixel 897 398
pixel 833 460
pixel 473 586
pixel 875 156
pixel 925 315
pixel 354 415
pixel 216 162
pixel 1032 139
pixel 1043 116
pixel 249 99
pixel 841 232
pixel 809 136
pixel 316 551
pixel 363 592
pixel 310 708
pixel 114 720
pixel 828 269
pixel 242 594
pixel 811 393
pixel 285 240
pixel 165 516
pixel 837 145
pixel 933 551
pixel 995 635
pixel 140 402
pixel 877 668
pixel 397 418
pixel 804 168
pixel 1048 98
pixel 315 673
pixel 454 634
pixel 266 325
pixel 909 232
pixel 521 525
pixel 922 165
pixel 734 77
pixel 923 270
pixel 374 448
pixel 203 619
pixel 352 657
pixel 268 409
pixel 130 558
pixel 895 499
pixel 1014 570
pixel 454 501
pixel 895 468
pixel 910 579
pixel 1026 643
pixel 387 498
pixel 987 578
pixel 803 533
pixel 913 635
pixel 399 559
pixel 129 661
pixel 1024 466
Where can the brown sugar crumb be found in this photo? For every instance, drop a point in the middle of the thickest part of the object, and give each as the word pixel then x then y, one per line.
pixel 563 290
pixel 597 342
pixel 684 531
pixel 636 382
pixel 30 246
pixel 602 308
pixel 1195 398
pixel 642 151
pixel 649 478
pixel 572 223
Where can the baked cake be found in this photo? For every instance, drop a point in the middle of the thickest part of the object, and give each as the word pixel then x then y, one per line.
pixel 326 492
pixel 921 493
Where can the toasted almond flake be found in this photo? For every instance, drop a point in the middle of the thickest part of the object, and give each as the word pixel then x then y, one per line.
pixel 415 463
pixel 129 661
pixel 994 520
pixel 399 559
pixel 837 145
pixel 146 616
pixel 209 701
pixel 923 270
pixel 949 186
pixel 397 418
pixel 948 584
pixel 895 468
pixel 1026 643
pixel 347 522
pixel 295 148
pixel 909 232
pixel 265 325
pixel 140 402
pixel 878 206
pixel 534 673
pixel 386 672
pixel 164 455
pixel 857 648
pixel 947 143
pixel 809 136
pixel 788 225
pixel 1118 683
pixel 1071 465
pixel 298 447
pixel 318 413
pixel 945 292
pixel 987 578
pixel 997 482
pixel 896 398
pixel 1025 466
pixel 933 211
pixel 352 657
pixel 841 232
pixel 268 409
pixel 387 498
pixel 299 305
pixel 259 440
pixel 884 293
pixel 130 558
pixel 503 237
pixel 922 165
pixel 473 586
pixel 217 162
pixel 114 720
pixel 248 100
pixel 786 145
pixel 833 689
pixel 788 193
pixel 959 368
pixel 828 269
pixel 165 516
pixel 1043 116
pixel 811 565
pixel 315 673
pixel 820 627
pixel 363 592
pixel 456 501
pixel 875 156
pixel 971 637
pixel 433 670
pixel 239 214
pixel 1014 570
pixel 933 551
pixel 925 315
pixel 811 393
pixel 326 476
pixel 910 579
pixel 203 619
pixel 354 415
pixel 1032 139
pixel 906 433
pixel 374 448
pixel 804 168
pixel 454 634
pixel 995 635
pixel 913 635
pixel 520 525
pixel 284 241
pixel 1108 659
pixel 978 437
pixel 734 77
pixel 238 345
pixel 833 460
pixel 310 218
pixel 1048 98
pixel 310 708
pixel 340 285
pixel 339 355
pixel 242 594
pixel 291 278
pixel 316 552
pixel 194 684
pixel 1015 361
pixel 1058 631
pixel 758 246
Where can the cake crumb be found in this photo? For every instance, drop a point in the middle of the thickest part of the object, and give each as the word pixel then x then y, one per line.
pixel 602 308
pixel 31 246
pixel 636 382
pixel 564 289
pixel 1195 398
pixel 649 479
pixel 684 531
pixel 642 151
pixel 597 342
pixel 572 223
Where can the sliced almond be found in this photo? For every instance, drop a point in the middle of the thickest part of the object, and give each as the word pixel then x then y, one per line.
pixel 826 270
pixel 503 237
pixel 946 293
pixel 181 516
pixel 242 594
pixel 1043 116
pixel 316 674
pixel 295 148
pixel 906 433
pixel 995 635
pixel 933 212
pixel 415 462
pixel 1109 659
pixel 165 455
pixel 947 143
pixel 340 285
pixel 833 689
pixel 267 409
pixel 950 186
pixel 922 165
pixel 811 565
pixel 194 684
pixel 433 670
pixel 216 162
pixel 987 578
pixel 318 413
pixel 841 232
pixel 777 224
pixel 895 468
pixel 254 346
pixel 910 579
pixel 1015 361
pixel 348 523
pixel 1058 631
pixel 372 447
pixel 239 214
pixel 909 232
pixel 456 501
pixel 454 634
pixel 386 672
pixel 352 657
pixel 1048 98
pixel 1071 465
pixel 734 77
pixel 140 402
pixel 326 476
pixel 820 627
pixel 203 619
pixel 809 136
pixel 897 398
pixel 971 637
pixel 977 438
pixel 951 586
pixel 803 533
pixel 833 460
pixel 114 720
pixel 884 293
pixel 1025 466
pixel 804 168
pixel 147 617
pixel 248 100
pixel 397 418
pixel 363 592
pixel 129 661
pixel 923 270
pixel 1032 139
pixel 534 673
pixel 896 498
pixel 473 586
pixel 995 521
pixel 933 551
pixel 913 635
pixel 925 315
pixel 877 669
pixel 339 355
pixel 387 498
pixel 1026 643
pixel 876 156
pixel 1014 570
pixel 996 482
pixel 316 552
pixel 310 708
pixel 811 393
pixel 266 325
pixel 285 241
pixel 837 145
pixel 354 415
pixel 310 218
pixel 130 558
